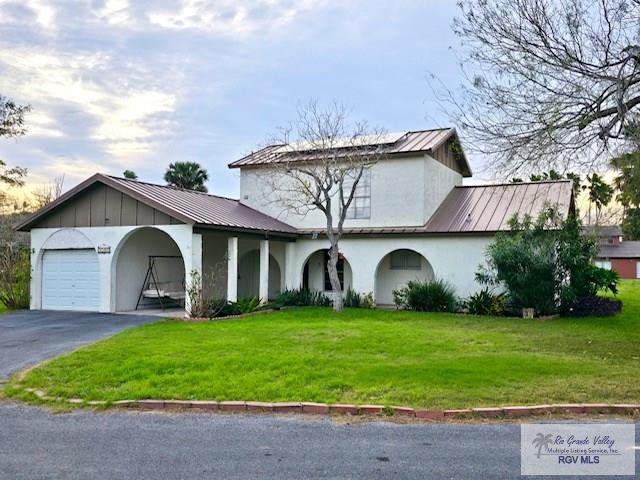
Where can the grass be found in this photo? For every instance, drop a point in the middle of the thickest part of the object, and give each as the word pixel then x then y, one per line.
pixel 360 356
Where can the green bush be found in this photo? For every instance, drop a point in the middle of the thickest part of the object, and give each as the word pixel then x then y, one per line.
pixel 544 263
pixel 351 299
pixel 15 273
pixel 249 304
pixel 300 297
pixel 485 302
pixel 228 309
pixel 434 296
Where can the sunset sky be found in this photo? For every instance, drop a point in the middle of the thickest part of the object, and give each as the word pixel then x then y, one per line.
pixel 119 84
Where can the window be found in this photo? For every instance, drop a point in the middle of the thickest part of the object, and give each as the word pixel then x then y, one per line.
pixel 361 204
pixel 606 264
pixel 405 260
pixel 340 268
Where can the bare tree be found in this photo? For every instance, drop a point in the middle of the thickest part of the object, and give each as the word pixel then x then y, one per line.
pixel 547 82
pixel 321 171
pixel 48 192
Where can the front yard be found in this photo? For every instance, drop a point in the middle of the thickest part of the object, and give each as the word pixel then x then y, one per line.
pixel 361 356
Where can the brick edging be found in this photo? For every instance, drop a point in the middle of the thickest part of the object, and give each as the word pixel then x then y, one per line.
pixel 352 409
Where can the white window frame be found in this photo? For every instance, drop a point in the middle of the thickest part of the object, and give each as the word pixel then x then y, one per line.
pixel 360 208
pixel 401 260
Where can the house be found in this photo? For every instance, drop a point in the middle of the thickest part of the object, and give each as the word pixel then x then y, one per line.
pixel 622 256
pixel 112 244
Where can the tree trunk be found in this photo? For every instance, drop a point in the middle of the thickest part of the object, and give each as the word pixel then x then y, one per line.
pixel 336 288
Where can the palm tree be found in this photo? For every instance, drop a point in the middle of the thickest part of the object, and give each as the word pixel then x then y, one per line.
pixel 188 175
pixel 600 194
pixel 542 441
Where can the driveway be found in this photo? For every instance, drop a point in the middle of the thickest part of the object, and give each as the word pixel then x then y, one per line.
pixel 28 337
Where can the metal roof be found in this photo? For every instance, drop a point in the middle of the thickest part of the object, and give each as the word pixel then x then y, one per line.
pixel 626 249
pixel 393 144
pixel 602 230
pixel 488 208
pixel 186 205
pixel 481 209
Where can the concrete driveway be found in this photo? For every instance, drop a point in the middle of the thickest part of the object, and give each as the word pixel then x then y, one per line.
pixel 28 337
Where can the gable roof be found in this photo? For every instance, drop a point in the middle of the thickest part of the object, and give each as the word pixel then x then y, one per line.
pixel 423 141
pixel 488 208
pixel 626 249
pixel 188 206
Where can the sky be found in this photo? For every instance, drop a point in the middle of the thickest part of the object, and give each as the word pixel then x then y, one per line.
pixel 120 84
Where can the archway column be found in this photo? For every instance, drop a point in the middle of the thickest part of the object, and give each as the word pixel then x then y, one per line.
pixel 232 269
pixel 264 270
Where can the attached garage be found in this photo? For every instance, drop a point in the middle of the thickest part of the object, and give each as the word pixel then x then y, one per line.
pixel 70 280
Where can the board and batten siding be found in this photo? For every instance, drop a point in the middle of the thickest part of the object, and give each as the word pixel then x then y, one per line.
pixel 446 154
pixel 103 206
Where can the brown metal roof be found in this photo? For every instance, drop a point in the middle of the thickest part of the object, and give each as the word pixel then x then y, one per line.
pixel 186 205
pixel 488 208
pixel 627 249
pixel 480 209
pixel 403 143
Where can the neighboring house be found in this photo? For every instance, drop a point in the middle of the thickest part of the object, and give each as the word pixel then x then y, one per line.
pixel 622 256
pixel 412 220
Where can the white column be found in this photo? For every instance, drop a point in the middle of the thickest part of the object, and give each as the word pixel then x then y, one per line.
pixel 232 269
pixel 264 270
pixel 290 278
pixel 196 253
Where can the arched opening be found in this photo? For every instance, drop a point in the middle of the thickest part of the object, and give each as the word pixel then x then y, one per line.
pixel 249 275
pixel 315 276
pixel 398 268
pixel 132 260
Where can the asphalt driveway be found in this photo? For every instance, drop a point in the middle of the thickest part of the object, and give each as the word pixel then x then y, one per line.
pixel 28 337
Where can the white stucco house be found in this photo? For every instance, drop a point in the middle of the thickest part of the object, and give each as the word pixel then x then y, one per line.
pixel 412 218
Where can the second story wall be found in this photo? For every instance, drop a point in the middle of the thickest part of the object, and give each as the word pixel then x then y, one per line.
pixel 405 191
pixel 439 180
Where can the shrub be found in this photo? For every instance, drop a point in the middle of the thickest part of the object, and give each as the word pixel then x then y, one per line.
pixel 300 297
pixel 485 302
pixel 15 273
pixel 595 306
pixel 366 300
pixel 434 296
pixel 228 309
pixel 353 299
pixel 248 305
pixel 544 263
pixel 203 305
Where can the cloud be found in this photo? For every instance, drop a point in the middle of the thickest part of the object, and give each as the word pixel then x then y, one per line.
pixel 115 12
pixel 121 83
pixel 126 117
pixel 25 11
pixel 42 125
pixel 230 17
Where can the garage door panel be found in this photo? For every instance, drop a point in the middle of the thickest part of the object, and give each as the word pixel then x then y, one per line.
pixel 70 280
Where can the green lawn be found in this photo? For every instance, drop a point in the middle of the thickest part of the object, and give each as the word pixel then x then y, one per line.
pixel 361 356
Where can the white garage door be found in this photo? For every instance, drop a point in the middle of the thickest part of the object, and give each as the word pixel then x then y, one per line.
pixel 70 280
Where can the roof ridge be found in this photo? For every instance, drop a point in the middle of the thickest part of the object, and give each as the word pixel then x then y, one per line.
pixel 172 187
